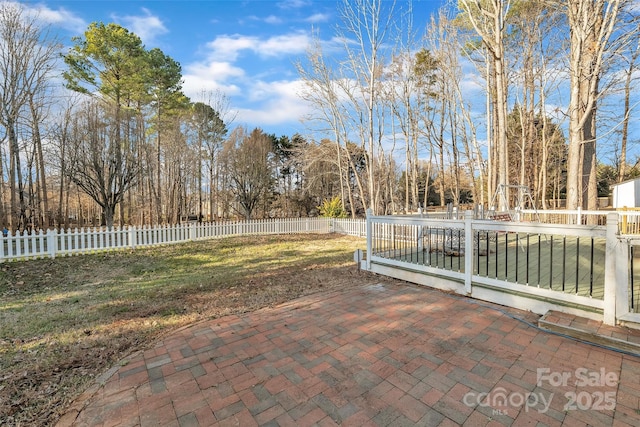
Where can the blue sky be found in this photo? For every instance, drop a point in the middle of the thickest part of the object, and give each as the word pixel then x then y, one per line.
pixel 246 49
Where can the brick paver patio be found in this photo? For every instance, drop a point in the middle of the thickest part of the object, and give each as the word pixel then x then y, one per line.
pixel 383 355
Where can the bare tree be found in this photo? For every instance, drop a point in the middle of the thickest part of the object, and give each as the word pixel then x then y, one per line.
pixel 27 55
pixel 629 56
pixel 250 169
pixel 167 100
pixel 61 135
pixel 95 164
pixel 488 19
pixel 211 118
pixel 323 176
pixel 534 48
pixel 591 25
pixel 349 95
pixel 324 90
pixel 407 85
pixel 451 126
pixel 367 23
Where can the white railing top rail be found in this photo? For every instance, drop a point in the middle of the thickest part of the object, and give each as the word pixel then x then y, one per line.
pixel 567 211
pixel 541 228
pixel 493 225
pixel 417 220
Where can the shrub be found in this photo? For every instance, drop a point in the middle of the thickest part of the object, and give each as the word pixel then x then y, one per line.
pixel 332 208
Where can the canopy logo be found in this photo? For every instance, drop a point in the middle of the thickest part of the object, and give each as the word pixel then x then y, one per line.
pixel 501 400
pixel 590 392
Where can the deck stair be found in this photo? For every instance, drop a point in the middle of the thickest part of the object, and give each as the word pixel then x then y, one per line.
pixel 620 338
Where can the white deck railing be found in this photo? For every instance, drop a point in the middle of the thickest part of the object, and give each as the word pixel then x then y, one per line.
pixel 628 218
pixel 581 269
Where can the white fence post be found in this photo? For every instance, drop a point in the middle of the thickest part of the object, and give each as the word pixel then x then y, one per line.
pixel 132 237
pixel 621 256
pixel 622 279
pixel 468 250
pixel 614 270
pixel 579 215
pixel 52 242
pixel 192 232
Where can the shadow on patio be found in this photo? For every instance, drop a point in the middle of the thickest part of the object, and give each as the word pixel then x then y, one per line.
pixel 386 354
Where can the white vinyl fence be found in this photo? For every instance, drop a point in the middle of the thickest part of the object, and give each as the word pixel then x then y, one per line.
pixel 54 243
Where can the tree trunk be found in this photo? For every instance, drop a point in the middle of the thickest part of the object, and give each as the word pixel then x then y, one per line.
pixel 501 115
pixel 591 24
pixel 108 214
pixel 43 193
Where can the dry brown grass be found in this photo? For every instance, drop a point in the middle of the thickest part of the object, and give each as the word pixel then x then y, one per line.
pixel 67 320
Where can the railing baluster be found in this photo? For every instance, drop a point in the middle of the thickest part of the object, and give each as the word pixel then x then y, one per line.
pixel 527 278
pixel 517 257
pixel 539 242
pixel 631 250
pixel 577 261
pixel 564 260
pixel 551 262
pixel 497 255
pixel 488 254
pixel 430 238
pixel 459 253
pixel 477 241
pixel 591 270
pixel 417 234
pixel 506 256
pixel 451 250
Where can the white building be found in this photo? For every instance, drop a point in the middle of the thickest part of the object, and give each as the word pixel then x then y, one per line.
pixel 626 194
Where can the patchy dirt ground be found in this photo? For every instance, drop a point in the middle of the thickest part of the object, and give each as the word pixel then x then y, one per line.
pixel 65 321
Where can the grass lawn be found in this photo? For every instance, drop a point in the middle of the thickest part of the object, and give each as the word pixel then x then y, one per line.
pixel 64 321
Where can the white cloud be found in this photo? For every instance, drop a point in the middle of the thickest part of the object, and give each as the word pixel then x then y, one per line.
pixel 211 76
pixel 282 89
pixel 318 18
pixel 147 26
pixel 471 86
pixel 257 101
pixel 277 104
pixel 57 17
pixel 285 44
pixel 293 4
pixel 228 47
pixel 194 84
pixel 272 19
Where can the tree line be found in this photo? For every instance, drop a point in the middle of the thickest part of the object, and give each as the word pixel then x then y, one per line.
pixel 392 126
pixel 558 76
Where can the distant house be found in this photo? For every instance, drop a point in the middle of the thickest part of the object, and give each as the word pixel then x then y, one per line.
pixel 626 194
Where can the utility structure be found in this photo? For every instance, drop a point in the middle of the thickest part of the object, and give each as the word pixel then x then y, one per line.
pixel 518 194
